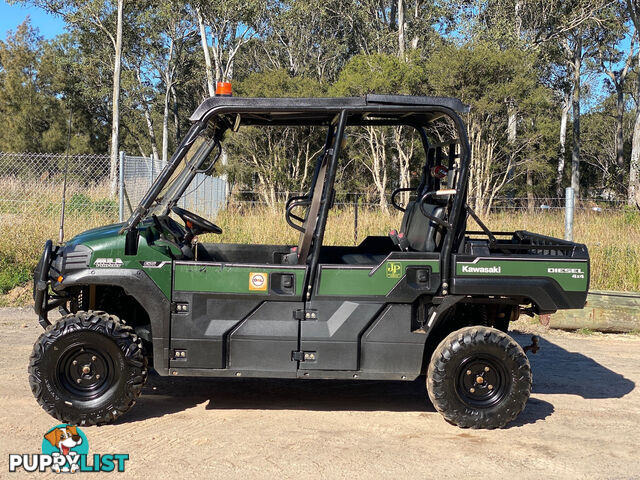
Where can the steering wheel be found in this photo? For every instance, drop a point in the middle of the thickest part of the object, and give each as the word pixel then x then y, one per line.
pixel 195 223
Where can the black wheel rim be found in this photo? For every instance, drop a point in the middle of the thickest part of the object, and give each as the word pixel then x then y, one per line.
pixel 85 372
pixel 482 381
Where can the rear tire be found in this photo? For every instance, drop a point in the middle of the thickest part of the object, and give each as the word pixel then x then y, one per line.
pixel 479 377
pixel 87 369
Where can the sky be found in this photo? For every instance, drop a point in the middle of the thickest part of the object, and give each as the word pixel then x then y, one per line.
pixel 13 15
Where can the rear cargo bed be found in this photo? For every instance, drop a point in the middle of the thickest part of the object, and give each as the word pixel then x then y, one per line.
pixel 551 273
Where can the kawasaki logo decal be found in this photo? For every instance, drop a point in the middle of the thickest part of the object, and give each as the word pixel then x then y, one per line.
pixel 469 269
pixel 571 275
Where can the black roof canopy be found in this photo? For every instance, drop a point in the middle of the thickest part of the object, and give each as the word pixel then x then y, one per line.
pixel 318 111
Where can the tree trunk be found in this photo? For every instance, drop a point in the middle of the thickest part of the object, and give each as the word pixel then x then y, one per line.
pixel 563 143
pixel 633 195
pixel 575 152
pixel 404 145
pixel 416 15
pixel 207 56
pixel 634 168
pixel 147 117
pixel 165 126
pixel 401 28
pixel 152 135
pixel 530 198
pixel 115 114
pixel 619 132
pixel 517 13
pixel 176 116
pixel 168 83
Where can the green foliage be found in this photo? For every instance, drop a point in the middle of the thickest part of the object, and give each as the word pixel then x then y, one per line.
pixel 12 273
pixel 278 83
pixel 81 204
pixel 631 216
pixel 78 202
pixel 586 331
pixel 379 73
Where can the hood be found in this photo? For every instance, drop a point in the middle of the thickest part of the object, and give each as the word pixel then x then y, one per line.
pixel 96 234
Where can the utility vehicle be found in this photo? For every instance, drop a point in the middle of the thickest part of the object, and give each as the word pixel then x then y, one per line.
pixel 430 298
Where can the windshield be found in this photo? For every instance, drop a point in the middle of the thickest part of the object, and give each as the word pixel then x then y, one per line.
pixel 195 161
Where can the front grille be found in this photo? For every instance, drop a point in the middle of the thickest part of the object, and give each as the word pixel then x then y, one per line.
pixel 76 258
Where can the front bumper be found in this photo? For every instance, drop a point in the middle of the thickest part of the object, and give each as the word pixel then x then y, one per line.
pixel 41 298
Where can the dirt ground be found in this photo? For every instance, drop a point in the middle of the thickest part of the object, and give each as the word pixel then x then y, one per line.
pixel 582 421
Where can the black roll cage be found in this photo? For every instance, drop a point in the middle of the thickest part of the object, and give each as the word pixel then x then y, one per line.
pixel 416 112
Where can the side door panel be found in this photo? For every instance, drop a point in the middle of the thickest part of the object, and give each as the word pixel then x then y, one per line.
pixel 348 299
pixel 334 334
pixel 237 316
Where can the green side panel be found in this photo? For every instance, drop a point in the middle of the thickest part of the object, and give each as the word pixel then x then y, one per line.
pixel 223 278
pixel 161 277
pixel 340 281
pixel 106 243
pixel 571 276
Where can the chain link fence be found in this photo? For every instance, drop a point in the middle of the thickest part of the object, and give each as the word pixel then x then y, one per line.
pixel 136 174
pixel 32 183
pixel 370 200
pixel 205 195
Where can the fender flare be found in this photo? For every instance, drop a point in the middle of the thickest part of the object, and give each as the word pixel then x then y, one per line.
pixel 138 285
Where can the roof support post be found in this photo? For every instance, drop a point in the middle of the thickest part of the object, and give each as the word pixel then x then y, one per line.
pixel 327 195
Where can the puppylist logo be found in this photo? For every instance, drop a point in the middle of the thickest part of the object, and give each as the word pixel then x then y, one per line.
pixel 65 449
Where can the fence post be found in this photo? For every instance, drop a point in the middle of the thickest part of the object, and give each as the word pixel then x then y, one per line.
pixel 121 188
pixel 569 203
pixel 151 170
pixel 355 222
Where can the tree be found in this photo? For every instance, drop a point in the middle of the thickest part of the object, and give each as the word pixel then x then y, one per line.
pixel 616 64
pixel 274 161
pixel 232 24
pixel 310 38
pixel 486 77
pixel 381 73
pixel 27 105
pixel 633 196
pixel 168 39
pixel 106 18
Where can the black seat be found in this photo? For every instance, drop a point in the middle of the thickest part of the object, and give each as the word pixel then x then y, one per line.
pixel 422 234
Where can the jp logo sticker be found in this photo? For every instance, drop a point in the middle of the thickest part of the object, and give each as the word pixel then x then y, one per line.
pixel 394 270
pixel 258 281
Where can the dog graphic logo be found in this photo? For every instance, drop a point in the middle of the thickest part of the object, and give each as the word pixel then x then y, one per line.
pixel 65 449
pixel 69 442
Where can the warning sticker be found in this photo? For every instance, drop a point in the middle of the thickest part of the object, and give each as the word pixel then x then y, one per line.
pixel 258 281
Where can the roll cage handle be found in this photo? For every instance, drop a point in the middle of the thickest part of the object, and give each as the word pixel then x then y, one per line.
pixel 395 193
pixel 292 203
pixel 430 195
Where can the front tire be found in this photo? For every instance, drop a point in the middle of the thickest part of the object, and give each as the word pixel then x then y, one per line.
pixel 87 369
pixel 479 377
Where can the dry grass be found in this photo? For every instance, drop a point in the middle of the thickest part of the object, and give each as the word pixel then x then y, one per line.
pixel 29 196
pixel 613 238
